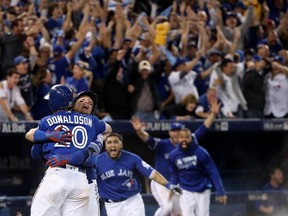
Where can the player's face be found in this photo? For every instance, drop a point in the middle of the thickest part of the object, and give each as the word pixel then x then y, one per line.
pixel 84 105
pixel 185 139
pixel 174 135
pixel 113 147
pixel 278 176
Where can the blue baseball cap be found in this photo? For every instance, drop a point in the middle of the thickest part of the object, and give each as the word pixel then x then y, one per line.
pixel 178 62
pixel 176 126
pixel 257 58
pixel 278 59
pixel 241 5
pixel 58 50
pixel 20 59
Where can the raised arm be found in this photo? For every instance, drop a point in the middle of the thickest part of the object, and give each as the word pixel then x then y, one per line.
pixel 215 106
pixel 137 125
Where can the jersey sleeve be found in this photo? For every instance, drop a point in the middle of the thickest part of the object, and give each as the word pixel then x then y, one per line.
pixel 200 131
pixel 143 167
pixel 18 97
pixel 213 173
pixel 152 142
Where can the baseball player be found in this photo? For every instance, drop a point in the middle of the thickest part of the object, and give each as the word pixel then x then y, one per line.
pixel 162 148
pixel 194 170
pixel 118 186
pixel 72 198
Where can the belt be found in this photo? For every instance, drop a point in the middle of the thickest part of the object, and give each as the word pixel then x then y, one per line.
pixel 113 201
pixel 74 168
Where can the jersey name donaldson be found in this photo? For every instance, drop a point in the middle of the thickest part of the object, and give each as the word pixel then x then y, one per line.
pixel 60 119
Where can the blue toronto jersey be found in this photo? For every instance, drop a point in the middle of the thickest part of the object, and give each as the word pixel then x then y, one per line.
pixel 162 148
pixel 194 169
pixel 85 129
pixel 117 178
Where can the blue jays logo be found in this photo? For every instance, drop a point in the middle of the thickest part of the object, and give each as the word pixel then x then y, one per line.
pixel 128 183
pixel 186 162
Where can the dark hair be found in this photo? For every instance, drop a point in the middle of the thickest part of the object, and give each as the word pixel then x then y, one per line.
pixel 189 98
pixel 273 169
pixel 225 62
pixel 11 10
pixel 115 134
pixel 51 8
pixel 15 23
pixel 12 71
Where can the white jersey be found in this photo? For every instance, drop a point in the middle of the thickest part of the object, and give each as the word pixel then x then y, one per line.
pixel 226 95
pixel 184 86
pixel 276 95
pixel 12 96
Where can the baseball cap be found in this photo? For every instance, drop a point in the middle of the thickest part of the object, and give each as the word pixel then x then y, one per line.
pixel 192 44
pixel 176 126
pixel 241 5
pixel 179 61
pixel 226 7
pixel 20 59
pixel 83 65
pixel 127 40
pixel 90 94
pixel 278 59
pixel 214 51
pixel 58 50
pixel 257 58
pixel 231 14
pixel 144 64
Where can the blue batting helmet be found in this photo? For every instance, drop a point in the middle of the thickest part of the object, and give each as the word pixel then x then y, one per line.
pixel 59 97
pixel 90 94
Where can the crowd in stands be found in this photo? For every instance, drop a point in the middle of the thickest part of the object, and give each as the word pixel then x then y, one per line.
pixel 152 59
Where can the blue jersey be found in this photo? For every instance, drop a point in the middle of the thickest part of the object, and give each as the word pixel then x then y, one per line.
pixel 85 129
pixel 162 149
pixel 117 178
pixel 194 169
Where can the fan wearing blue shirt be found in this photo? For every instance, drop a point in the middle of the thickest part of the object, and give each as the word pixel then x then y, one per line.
pixel 194 170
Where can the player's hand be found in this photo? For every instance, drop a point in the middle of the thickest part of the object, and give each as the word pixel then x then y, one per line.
pixel 222 199
pixel 57 160
pixel 59 136
pixel 174 188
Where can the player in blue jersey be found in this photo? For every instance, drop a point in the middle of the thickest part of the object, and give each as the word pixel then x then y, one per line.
pixel 194 170
pixel 72 198
pixel 116 176
pixel 162 148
